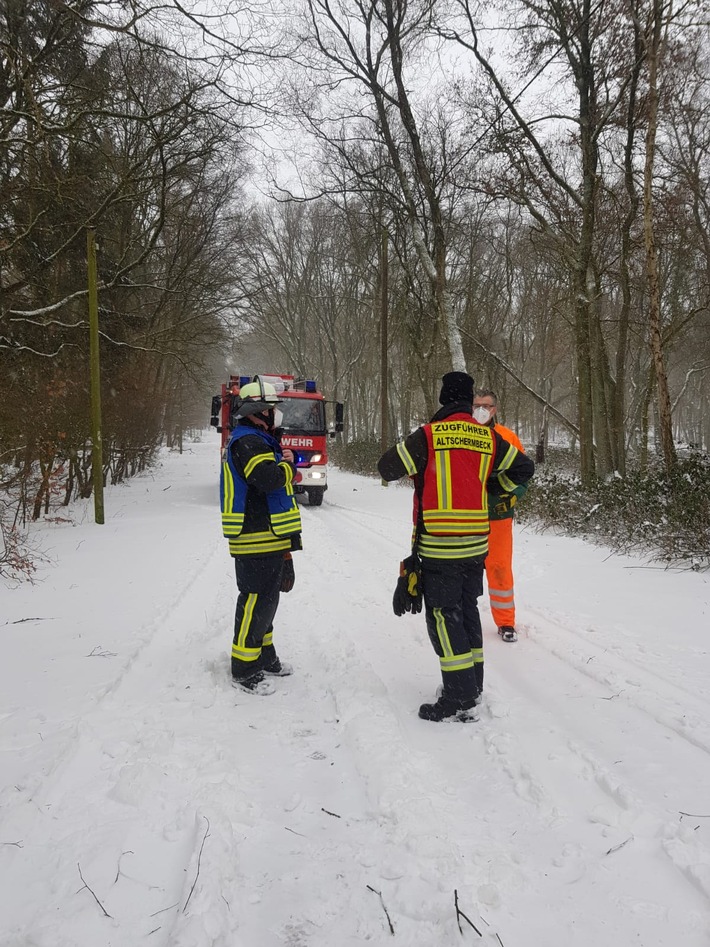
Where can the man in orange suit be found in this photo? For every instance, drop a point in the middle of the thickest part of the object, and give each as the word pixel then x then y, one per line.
pixel 501 510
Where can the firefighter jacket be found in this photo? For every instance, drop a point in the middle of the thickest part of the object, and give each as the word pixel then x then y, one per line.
pixel 451 459
pixel 501 501
pixel 260 516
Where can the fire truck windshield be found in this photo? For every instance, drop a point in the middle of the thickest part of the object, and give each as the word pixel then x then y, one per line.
pixel 303 414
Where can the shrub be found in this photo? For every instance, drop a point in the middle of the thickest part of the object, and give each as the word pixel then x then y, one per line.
pixel 358 457
pixel 667 516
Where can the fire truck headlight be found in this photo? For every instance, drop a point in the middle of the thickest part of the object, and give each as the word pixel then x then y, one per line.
pixel 316 458
pixel 316 474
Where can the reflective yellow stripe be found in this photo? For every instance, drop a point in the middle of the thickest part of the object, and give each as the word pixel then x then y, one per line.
pixel 239 644
pixel 442 633
pixel 477 654
pixel 228 488
pixel 288 470
pixel 242 546
pixel 508 459
pixel 245 654
pixel 442 460
pixel 483 471
pixel 259 459
pixel 452 547
pixel 506 483
pixel 458 522
pixel 457 662
pixel 406 459
pixel 268 639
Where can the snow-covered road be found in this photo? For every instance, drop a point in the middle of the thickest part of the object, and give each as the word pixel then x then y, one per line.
pixel 144 801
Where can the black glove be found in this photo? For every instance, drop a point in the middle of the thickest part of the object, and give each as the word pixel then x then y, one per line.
pixel 288 576
pixel 408 591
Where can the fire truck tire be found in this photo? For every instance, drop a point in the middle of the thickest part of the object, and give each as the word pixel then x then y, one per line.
pixel 315 496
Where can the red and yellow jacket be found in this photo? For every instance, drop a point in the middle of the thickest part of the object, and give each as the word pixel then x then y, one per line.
pixel 451 460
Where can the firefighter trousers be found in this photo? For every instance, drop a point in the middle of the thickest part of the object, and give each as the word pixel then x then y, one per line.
pixel 451 589
pixel 259 584
pixel 499 572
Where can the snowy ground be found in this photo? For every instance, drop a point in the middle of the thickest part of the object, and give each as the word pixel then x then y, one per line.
pixel 145 801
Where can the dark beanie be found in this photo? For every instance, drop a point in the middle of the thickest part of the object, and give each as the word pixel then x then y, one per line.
pixel 456 386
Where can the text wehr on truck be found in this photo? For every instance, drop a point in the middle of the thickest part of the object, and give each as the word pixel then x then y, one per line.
pixel 303 427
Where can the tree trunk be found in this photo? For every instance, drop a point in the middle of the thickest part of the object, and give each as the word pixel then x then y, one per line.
pixel 665 432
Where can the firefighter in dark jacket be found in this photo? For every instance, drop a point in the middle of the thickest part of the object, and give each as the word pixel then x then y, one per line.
pixel 451 459
pixel 261 520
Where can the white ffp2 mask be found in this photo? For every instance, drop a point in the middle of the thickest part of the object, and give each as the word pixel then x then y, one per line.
pixel 482 415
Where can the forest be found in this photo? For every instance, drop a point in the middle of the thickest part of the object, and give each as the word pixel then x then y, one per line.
pixel 371 193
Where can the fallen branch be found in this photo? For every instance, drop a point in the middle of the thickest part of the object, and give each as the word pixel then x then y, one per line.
pixel 118 866
pixel 199 859
pixel 460 914
pixel 616 848
pixel 16 844
pixel 162 910
pixel 692 815
pixel 106 914
pixel 379 894
pixel 328 812
pixel 98 653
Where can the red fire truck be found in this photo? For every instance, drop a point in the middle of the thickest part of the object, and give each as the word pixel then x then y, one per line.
pixel 303 427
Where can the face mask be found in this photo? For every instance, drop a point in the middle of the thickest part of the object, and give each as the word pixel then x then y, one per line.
pixel 278 417
pixel 482 415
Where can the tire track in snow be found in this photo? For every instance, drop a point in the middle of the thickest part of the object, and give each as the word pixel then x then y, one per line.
pixel 621 749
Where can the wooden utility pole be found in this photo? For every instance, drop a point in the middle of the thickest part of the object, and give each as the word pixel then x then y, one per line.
pixel 97 465
pixel 384 292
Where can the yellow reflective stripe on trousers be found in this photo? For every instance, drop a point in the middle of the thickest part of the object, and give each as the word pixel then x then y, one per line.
pixel 268 639
pixel 458 662
pixel 239 649
pixel 406 459
pixel 442 633
pixel 477 655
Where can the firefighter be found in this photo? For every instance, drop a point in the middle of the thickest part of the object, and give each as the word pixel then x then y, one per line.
pixel 450 460
pixel 261 520
pixel 501 510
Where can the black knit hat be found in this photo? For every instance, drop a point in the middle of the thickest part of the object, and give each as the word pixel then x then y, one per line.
pixel 456 386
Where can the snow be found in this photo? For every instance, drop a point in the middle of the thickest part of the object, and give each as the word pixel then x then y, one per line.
pixel 575 812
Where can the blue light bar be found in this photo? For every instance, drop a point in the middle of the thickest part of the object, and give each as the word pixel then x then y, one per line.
pixel 311 386
pixel 244 380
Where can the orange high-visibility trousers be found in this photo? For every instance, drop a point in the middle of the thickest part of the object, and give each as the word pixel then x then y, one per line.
pixel 499 572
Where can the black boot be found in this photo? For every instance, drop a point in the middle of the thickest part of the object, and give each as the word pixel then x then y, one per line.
pixel 253 684
pixel 278 668
pixel 447 707
pixel 271 664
